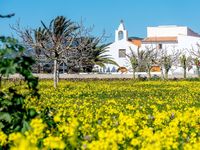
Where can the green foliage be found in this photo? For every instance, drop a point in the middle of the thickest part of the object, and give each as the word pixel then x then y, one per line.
pixel 193 79
pixel 13 115
pixel 97 56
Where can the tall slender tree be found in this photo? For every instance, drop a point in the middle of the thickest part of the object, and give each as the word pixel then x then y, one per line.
pixel 185 63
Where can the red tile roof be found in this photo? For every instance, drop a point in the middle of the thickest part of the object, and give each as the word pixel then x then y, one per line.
pixel 136 42
pixel 160 39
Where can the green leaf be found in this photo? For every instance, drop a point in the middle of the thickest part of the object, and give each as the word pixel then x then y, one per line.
pixel 32 112
pixel 6 102
pixel 6 117
pixel 1 125
pixel 25 127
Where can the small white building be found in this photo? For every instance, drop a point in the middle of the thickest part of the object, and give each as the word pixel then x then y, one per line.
pixel 167 38
pixel 172 39
pixel 120 47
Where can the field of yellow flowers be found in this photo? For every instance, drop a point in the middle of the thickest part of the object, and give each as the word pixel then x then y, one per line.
pixel 113 115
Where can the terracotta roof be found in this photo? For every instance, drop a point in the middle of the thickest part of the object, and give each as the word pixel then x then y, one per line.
pixel 136 42
pixel 160 39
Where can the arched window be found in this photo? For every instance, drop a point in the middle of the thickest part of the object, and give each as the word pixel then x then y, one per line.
pixel 120 35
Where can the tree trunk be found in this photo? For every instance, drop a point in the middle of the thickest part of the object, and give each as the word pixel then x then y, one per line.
pixel 55 73
pixel 198 72
pixel 58 76
pixel 149 73
pixel 38 68
pixel 162 74
pixel 184 75
pixel 166 74
pixel 63 68
pixel 134 74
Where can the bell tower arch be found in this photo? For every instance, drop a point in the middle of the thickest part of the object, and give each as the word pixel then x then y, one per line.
pixel 121 33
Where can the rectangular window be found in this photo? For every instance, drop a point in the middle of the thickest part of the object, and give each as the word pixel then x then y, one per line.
pixel 122 53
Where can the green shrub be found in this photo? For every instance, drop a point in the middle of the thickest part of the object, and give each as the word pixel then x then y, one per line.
pixel 13 115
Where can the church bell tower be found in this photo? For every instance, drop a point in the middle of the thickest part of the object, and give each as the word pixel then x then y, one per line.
pixel 121 33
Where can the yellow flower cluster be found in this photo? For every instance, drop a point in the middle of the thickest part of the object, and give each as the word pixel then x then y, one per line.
pixel 115 115
pixel 54 143
pixel 23 142
pixel 30 139
pixel 3 138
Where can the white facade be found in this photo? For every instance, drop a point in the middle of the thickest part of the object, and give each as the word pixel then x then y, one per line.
pixel 121 44
pixel 172 39
pixel 169 31
pixel 185 37
pixel 169 38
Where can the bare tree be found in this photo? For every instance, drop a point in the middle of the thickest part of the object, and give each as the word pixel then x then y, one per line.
pixel 197 64
pixel 142 59
pixel 166 59
pixel 149 59
pixel 195 52
pixel 196 57
pixel 185 63
pixel 52 40
pixel 133 59
pixel 136 59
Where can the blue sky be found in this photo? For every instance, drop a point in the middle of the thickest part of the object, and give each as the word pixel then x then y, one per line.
pixel 104 14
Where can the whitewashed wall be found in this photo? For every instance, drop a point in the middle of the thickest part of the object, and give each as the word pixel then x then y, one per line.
pixel 185 42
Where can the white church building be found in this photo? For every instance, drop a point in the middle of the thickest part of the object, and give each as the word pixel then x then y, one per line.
pixel 170 38
pixel 120 47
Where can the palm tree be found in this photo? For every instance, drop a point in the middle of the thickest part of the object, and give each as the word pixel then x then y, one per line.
pixel 100 57
pixel 97 55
